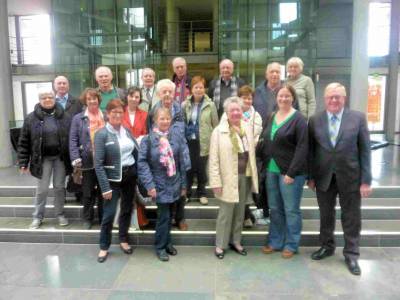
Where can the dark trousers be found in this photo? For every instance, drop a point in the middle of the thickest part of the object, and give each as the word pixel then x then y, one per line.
pixel 261 202
pixel 178 210
pixel 248 214
pixel 124 189
pixel 199 164
pixel 91 192
pixel 350 205
pixel 163 226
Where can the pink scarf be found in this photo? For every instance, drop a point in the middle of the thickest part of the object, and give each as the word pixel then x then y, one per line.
pixel 166 154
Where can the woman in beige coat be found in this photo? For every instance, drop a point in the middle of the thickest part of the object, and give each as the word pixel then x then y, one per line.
pixel 232 175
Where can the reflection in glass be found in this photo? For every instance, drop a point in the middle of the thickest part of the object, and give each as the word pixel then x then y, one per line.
pixel 134 16
pixel 287 12
pixel 379 29
pixel 35 39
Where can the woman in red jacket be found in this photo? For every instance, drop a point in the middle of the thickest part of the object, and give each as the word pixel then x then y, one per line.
pixel 134 117
pixel 135 120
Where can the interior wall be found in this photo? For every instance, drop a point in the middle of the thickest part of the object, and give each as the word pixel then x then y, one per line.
pixel 28 7
pixel 18 91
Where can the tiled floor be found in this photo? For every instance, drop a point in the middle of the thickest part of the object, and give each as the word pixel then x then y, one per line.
pixel 51 271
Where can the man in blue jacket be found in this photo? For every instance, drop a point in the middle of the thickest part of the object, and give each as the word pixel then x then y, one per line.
pixel 265 95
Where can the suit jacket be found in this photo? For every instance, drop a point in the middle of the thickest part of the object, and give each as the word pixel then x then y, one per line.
pixel 349 160
pixel 73 106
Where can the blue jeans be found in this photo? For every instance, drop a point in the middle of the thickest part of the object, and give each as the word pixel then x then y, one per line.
pixel 284 203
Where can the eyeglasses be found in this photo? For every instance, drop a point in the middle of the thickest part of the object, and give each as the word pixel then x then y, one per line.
pixel 116 112
pixel 334 97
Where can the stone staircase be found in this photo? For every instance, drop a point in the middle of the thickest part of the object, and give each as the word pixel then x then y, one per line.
pixel 380 225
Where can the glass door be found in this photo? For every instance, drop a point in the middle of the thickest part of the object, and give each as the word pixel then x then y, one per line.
pixel 376 102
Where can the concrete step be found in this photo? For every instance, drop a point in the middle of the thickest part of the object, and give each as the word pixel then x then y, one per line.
pixel 375 233
pixel 29 191
pixel 372 208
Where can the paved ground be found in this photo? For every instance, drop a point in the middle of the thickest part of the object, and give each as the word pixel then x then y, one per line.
pixel 52 271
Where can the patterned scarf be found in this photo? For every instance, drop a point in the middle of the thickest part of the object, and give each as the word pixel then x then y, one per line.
pixel 166 154
pixel 248 114
pixel 96 121
pixel 217 90
pixel 234 136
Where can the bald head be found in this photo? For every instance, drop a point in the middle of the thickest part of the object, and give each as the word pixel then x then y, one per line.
pixel 104 78
pixel 61 85
pixel 226 69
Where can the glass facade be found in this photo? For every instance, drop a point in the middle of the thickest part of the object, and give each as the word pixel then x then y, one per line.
pixel 127 35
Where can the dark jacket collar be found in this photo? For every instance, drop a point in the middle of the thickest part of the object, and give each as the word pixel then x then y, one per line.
pixel 40 114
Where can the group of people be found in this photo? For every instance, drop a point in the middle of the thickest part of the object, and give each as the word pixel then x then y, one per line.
pixel 258 145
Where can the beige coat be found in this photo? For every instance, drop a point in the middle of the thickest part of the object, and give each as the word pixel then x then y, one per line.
pixel 223 163
pixel 255 122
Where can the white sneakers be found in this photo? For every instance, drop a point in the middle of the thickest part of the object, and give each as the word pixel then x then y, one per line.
pixel 203 200
pixel 35 224
pixel 259 216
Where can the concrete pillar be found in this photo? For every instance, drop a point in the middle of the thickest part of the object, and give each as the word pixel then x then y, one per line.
pixel 391 108
pixel 359 57
pixel 6 95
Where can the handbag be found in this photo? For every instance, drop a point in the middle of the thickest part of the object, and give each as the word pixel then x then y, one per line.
pixel 77 176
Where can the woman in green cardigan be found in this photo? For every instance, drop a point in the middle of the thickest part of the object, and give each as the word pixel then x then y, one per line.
pixel 201 118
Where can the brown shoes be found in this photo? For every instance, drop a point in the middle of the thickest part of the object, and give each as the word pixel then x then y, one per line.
pixel 287 253
pixel 268 250
pixel 183 226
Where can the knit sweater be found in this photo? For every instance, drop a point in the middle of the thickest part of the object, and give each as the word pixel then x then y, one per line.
pixel 305 92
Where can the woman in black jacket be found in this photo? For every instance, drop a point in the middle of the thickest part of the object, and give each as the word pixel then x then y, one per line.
pixel 284 154
pixel 81 145
pixel 43 147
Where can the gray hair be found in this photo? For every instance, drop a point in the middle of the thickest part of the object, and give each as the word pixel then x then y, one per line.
pixel 44 92
pixel 103 68
pixel 270 65
pixel 295 61
pixel 164 83
pixel 178 58
pixel 148 69
pixel 336 86
pixel 226 60
pixel 160 110
pixel 231 100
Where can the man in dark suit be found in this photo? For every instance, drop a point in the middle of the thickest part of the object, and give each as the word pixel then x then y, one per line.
pixel 225 86
pixel 71 106
pixel 340 164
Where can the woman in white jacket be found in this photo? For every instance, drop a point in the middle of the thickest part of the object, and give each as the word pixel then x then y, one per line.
pixel 253 119
pixel 232 175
